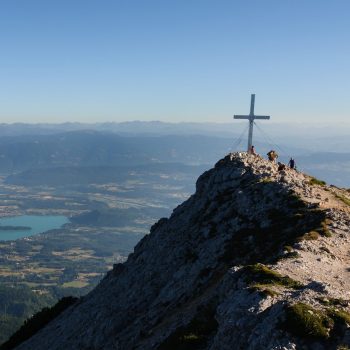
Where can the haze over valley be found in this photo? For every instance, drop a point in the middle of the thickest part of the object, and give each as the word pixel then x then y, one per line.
pixel 112 189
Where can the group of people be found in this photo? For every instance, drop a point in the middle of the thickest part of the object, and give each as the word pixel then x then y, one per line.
pixel 272 156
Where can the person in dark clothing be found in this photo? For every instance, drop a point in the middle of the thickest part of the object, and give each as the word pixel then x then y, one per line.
pixel 291 163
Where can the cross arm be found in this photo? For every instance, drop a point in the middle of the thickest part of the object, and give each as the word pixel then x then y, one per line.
pixel 261 117
pixel 241 116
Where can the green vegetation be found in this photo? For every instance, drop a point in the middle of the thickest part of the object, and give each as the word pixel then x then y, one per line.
pixel 8 324
pixel 340 316
pixel 265 289
pixel 304 321
pixel 36 322
pixel 288 248
pixel 343 199
pixel 310 236
pixel 333 302
pixel 17 303
pixel 261 274
pixel 266 180
pixel 314 181
pixel 195 335
pixel 323 229
pixel 291 255
pixel 328 325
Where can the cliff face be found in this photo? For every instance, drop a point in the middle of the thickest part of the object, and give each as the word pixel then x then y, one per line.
pixel 214 275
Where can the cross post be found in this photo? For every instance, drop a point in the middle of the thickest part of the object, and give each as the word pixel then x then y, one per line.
pixel 251 117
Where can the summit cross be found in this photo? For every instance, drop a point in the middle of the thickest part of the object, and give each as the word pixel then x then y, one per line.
pixel 251 117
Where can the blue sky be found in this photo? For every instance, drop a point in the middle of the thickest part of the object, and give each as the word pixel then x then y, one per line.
pixel 183 60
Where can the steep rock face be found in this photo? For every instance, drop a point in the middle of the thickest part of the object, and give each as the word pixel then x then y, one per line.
pixel 197 280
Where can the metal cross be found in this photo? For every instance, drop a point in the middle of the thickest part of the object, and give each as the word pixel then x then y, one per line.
pixel 251 117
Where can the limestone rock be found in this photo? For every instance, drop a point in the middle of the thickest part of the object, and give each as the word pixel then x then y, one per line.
pixel 211 275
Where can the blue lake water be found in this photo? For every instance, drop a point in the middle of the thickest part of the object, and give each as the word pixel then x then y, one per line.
pixel 38 224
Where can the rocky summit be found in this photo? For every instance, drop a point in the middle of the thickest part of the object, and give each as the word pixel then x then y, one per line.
pixel 256 259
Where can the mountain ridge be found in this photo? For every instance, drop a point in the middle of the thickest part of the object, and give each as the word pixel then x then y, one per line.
pixel 230 268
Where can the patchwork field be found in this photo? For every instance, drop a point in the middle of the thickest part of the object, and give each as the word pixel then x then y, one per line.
pixel 106 221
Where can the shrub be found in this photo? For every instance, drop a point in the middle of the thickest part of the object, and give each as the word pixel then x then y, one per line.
pixel 261 274
pixel 288 248
pixel 333 302
pixel 315 181
pixel 339 316
pixel 323 229
pixel 291 255
pixel 343 199
pixel 310 236
pixel 304 321
pixel 264 289
pixel 266 180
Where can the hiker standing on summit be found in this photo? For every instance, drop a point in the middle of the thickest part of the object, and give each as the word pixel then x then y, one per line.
pixel 272 156
pixel 291 163
pixel 252 150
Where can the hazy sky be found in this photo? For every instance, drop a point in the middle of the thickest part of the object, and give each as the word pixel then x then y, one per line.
pixel 179 60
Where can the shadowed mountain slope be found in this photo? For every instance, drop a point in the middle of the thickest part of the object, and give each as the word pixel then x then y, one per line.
pixel 255 259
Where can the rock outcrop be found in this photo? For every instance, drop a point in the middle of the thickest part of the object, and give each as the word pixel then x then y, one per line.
pixel 255 259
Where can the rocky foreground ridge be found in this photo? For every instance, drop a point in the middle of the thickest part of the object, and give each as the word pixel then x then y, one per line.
pixel 255 259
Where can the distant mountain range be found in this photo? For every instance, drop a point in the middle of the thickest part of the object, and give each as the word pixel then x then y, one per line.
pixel 91 148
pixel 305 136
pixel 32 148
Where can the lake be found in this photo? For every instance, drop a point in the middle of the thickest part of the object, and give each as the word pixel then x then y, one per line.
pixel 20 225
